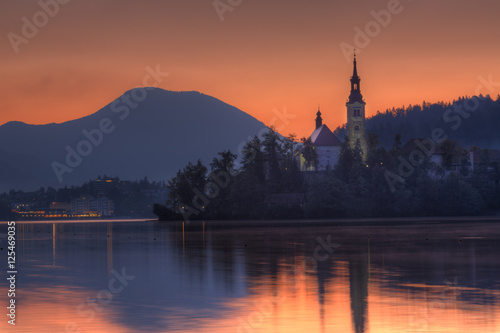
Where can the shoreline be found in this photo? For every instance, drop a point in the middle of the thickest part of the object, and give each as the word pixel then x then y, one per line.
pixel 334 222
pixel 289 222
pixel 79 221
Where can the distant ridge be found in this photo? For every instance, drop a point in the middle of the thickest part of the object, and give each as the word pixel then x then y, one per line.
pixel 145 132
pixel 470 128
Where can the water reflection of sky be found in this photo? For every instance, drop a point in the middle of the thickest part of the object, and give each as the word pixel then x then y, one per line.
pixel 381 279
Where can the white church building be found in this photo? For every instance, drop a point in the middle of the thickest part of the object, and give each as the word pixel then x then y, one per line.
pixel 327 147
pixel 326 143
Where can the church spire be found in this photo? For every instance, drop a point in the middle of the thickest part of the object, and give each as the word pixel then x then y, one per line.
pixel 355 95
pixel 355 70
pixel 319 120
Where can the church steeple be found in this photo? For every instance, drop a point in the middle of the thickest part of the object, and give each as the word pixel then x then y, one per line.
pixel 356 129
pixel 355 95
pixel 319 120
pixel 355 70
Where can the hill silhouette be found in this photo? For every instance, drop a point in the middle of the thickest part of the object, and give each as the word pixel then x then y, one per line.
pixel 150 132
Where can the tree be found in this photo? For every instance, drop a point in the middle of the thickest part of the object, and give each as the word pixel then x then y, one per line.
pixel 452 153
pixel 247 197
pixel 272 154
pixel 222 173
pixel 350 165
pixel 309 153
pixel 5 211
pixel 289 144
pixel 225 163
pixel 397 142
pixel 185 185
pixel 164 213
pixel 253 159
pixel 327 197
pixel 460 198
pixel 376 156
pixel 292 178
pixel 372 141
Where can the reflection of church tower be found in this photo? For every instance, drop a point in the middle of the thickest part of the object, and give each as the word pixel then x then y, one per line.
pixel 358 285
pixel 325 274
pixel 356 113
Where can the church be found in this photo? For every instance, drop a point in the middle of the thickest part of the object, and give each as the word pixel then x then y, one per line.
pixel 325 142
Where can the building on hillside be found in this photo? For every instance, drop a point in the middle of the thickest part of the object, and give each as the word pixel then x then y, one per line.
pixel 103 186
pixel 23 206
pixel 484 156
pixel 488 159
pixel 449 157
pixel 416 149
pixel 92 207
pixel 105 206
pixel 63 206
pixel 326 143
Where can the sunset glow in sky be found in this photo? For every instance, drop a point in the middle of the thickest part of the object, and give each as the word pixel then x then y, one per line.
pixel 263 55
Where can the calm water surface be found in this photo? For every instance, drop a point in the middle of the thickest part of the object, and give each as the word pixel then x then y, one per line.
pixel 153 277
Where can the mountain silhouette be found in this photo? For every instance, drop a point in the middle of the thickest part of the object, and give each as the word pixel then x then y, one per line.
pixel 145 132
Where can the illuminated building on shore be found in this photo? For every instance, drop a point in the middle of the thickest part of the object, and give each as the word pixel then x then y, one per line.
pixel 92 207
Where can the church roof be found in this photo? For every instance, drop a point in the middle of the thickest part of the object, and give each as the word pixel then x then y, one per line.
pixel 323 136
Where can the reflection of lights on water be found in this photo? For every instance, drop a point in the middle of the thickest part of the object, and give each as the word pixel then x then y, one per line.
pixel 109 244
pixel 54 244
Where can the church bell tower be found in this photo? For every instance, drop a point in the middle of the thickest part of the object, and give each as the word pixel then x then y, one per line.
pixel 356 113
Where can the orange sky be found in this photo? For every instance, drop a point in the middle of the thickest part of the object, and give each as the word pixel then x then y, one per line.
pixel 264 55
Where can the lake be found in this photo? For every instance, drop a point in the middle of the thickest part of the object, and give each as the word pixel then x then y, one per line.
pixel 136 276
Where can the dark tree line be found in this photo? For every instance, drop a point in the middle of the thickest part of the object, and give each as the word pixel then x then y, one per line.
pixel 374 187
pixel 232 189
pixel 358 186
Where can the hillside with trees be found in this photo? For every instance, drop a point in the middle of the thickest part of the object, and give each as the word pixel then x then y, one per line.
pixel 469 121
